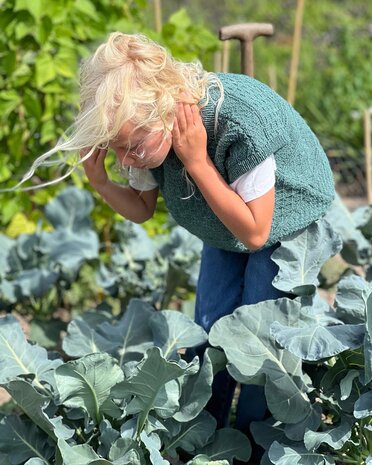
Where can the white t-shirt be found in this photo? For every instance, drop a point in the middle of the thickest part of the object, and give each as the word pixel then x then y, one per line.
pixel 249 186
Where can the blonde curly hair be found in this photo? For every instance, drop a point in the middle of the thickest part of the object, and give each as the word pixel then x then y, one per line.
pixel 128 78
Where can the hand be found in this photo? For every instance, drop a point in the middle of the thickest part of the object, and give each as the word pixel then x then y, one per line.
pixel 189 136
pixel 94 167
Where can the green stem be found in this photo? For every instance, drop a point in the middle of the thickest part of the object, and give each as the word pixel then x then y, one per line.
pixel 347 459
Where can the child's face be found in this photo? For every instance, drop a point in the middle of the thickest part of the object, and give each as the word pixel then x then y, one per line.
pixel 147 150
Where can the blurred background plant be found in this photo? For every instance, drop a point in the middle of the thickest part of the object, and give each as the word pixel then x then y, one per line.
pixel 42 43
pixel 335 63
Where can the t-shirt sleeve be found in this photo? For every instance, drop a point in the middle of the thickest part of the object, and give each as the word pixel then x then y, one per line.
pixel 141 179
pixel 256 182
pixel 250 149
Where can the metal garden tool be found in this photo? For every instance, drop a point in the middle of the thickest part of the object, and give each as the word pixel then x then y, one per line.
pixel 246 33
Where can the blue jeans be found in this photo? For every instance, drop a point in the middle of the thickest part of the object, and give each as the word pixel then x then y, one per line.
pixel 228 280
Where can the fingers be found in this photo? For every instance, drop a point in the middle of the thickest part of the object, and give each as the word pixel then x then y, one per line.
pixel 181 117
pixel 101 154
pixel 83 152
pixel 195 112
pixel 97 156
pixel 187 115
pixel 176 129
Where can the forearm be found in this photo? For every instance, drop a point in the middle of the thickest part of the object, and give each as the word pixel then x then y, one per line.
pixel 229 207
pixel 127 202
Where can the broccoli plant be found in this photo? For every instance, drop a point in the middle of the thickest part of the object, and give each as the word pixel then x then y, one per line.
pixel 125 396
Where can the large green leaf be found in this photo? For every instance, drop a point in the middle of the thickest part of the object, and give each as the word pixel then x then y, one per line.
pixel 301 255
pixel 35 282
pixel 315 310
pixel 132 335
pixel 65 62
pixel 73 241
pixel 317 342
pixel 79 455
pixel 129 236
pixel 296 431
pixel 153 424
pixel 228 444
pixel 8 292
pixel 35 7
pixel 148 383
pixel 34 404
pixel 356 249
pixel 182 250
pixel 363 406
pixel 334 437
pixel 245 338
pixel 45 70
pixel 25 253
pixel 82 340
pixel 86 383
pixel 193 435
pixel 267 431
pixel 330 382
pixel 18 357
pixel 287 399
pixel 68 250
pixel 35 461
pixel 201 459
pixel 125 450
pixel 289 455
pixel 166 402
pixel 4 460
pixel 173 330
pixel 46 333
pixel 21 440
pixel 107 437
pixel 350 302
pixel 253 356
pixel 153 445
pixel 363 220
pixel 197 389
pixel 347 383
pixel 6 243
pixel 70 210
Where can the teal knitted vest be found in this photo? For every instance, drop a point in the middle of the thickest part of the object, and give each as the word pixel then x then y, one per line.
pixel 253 123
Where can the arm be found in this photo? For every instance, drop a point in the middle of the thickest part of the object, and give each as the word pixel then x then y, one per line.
pixel 249 222
pixel 134 205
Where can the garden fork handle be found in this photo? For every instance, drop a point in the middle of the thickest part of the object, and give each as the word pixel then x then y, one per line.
pixel 246 33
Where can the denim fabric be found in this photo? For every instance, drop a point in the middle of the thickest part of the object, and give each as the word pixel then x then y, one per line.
pixel 228 280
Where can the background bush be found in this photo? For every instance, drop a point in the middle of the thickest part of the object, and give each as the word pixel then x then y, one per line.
pixel 41 45
pixel 336 57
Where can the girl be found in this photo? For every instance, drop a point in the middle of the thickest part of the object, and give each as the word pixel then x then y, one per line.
pixel 236 165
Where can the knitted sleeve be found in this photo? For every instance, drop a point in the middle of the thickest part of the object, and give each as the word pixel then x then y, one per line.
pixel 248 151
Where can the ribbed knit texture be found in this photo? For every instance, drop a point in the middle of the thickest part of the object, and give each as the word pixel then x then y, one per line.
pixel 253 123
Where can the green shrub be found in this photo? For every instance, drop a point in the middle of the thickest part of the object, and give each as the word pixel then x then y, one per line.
pixel 41 45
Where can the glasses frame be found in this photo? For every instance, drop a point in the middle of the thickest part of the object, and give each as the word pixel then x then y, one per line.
pixel 139 152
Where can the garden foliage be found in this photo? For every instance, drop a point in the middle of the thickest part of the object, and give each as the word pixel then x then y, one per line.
pixel 335 65
pixel 126 397
pixel 37 269
pixel 122 392
pixel 41 45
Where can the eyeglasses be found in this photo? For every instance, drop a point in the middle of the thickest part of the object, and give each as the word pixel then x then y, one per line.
pixel 138 151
